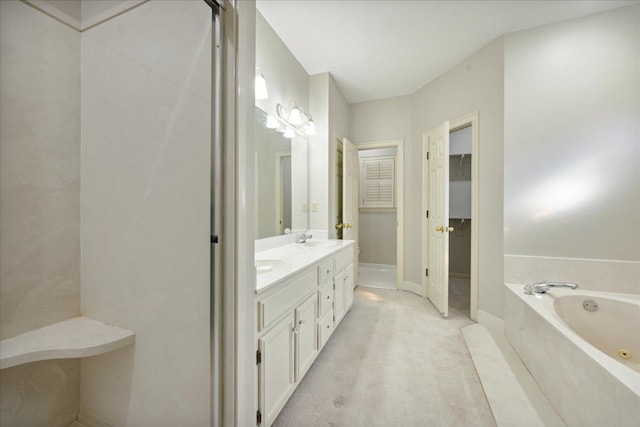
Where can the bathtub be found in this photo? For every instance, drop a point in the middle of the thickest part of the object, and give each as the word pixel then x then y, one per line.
pixel 578 357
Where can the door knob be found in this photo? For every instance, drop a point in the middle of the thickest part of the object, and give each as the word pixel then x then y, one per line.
pixel 347 226
pixel 449 229
pixel 440 229
pixel 339 225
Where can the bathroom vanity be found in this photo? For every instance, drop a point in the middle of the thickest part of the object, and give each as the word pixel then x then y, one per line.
pixel 303 292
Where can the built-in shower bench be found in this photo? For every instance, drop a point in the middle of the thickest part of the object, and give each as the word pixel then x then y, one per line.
pixel 73 338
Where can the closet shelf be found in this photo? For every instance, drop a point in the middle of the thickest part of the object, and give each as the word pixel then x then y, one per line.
pixel 77 337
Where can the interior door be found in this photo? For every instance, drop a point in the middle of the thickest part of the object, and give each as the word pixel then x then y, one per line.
pixel 350 197
pixel 437 223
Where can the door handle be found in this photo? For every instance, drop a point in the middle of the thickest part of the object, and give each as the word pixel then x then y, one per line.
pixel 348 225
pixel 440 229
pixel 339 225
pixel 449 229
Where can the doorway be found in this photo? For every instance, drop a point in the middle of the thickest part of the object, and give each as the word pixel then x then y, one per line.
pixel 460 167
pixel 393 217
pixel 451 274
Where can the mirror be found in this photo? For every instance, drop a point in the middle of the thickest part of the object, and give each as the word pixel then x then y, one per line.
pixel 281 167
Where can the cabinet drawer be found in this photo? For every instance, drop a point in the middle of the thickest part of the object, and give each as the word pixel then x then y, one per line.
pixel 325 299
pixel 325 326
pixel 325 271
pixel 343 259
pixel 289 294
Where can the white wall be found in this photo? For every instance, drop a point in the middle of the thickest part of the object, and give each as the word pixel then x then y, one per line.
pixel 476 84
pixel 330 111
pixel 370 122
pixel 287 81
pixel 39 206
pixel 146 123
pixel 572 146
pixel 319 163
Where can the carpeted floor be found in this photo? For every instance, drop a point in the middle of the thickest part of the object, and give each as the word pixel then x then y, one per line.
pixel 393 361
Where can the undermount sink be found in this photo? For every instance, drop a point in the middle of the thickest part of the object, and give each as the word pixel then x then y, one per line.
pixel 268 265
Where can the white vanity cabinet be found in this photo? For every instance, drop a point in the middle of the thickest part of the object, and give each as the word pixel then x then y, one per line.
pixel 295 318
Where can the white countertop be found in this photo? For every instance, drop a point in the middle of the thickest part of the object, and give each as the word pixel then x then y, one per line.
pixel 290 259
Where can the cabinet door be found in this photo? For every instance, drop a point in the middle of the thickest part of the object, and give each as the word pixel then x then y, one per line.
pixel 338 296
pixel 306 335
pixel 348 287
pixel 275 372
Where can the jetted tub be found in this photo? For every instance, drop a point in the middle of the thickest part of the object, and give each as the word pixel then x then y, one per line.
pixel 582 348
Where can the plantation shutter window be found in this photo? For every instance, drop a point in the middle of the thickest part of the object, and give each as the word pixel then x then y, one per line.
pixel 377 182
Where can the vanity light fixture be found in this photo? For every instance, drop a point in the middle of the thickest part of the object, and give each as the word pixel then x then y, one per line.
pixel 289 133
pixel 297 119
pixel 261 86
pixel 311 127
pixel 272 122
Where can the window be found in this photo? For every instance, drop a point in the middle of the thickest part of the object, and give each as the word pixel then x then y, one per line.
pixel 377 182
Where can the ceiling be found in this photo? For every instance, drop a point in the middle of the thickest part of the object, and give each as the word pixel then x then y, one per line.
pixel 380 49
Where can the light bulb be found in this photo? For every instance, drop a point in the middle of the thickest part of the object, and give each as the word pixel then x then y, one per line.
pixel 311 128
pixel 294 116
pixel 261 86
pixel 272 122
pixel 289 133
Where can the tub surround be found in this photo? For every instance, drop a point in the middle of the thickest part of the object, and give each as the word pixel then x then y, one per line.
pixel 585 386
pixel 592 274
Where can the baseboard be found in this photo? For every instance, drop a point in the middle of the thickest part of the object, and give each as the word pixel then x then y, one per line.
pixel 491 322
pixel 414 288
pixel 379 266
pixel 460 275
pixel 87 419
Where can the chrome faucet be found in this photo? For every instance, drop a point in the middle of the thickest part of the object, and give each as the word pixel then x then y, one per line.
pixel 303 237
pixel 543 287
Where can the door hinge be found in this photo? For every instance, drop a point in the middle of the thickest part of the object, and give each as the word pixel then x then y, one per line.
pixel 427 155
pixel 427 214
pixel 258 357
pixel 426 273
pixel 259 417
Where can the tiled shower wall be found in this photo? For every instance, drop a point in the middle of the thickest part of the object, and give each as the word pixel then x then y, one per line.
pixel 39 206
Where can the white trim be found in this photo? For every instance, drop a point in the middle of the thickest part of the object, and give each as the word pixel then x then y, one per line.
pixel 116 10
pixel 379 266
pixel 84 24
pixel 399 144
pixel 55 13
pixel 491 322
pixel 279 155
pixel 424 222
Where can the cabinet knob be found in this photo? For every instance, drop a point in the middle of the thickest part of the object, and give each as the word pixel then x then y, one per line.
pixel 328 271
pixel 328 296
pixel 301 322
pixel 328 326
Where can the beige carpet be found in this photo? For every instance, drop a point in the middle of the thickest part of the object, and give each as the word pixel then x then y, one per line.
pixel 393 361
